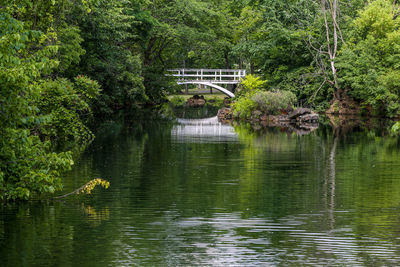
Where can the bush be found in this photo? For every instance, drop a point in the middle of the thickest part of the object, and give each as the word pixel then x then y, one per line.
pixel 177 101
pixel 243 107
pixel 244 104
pixel 250 85
pixel 215 102
pixel 396 128
pixel 272 102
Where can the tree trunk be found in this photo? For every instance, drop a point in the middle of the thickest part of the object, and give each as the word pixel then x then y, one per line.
pixel 227 65
pixel 331 7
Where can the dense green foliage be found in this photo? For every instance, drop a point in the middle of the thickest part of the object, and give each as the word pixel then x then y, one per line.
pixel 67 104
pixel 254 96
pixel 243 107
pixel 55 55
pixel 250 85
pixel 370 60
pixel 27 163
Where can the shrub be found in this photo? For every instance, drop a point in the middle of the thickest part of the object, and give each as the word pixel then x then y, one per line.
pixel 243 107
pixel 244 103
pixel 177 101
pixel 215 102
pixel 272 102
pixel 396 128
pixel 251 84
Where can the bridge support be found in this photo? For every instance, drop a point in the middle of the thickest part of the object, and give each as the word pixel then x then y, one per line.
pixel 211 85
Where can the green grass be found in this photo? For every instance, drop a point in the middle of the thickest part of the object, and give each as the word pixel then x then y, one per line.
pixel 206 96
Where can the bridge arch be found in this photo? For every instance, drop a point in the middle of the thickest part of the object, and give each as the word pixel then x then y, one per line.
pixel 209 77
pixel 209 84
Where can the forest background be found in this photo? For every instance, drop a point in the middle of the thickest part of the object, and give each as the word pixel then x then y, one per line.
pixel 65 62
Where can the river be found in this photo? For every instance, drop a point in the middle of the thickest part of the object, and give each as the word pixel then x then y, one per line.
pixel 204 194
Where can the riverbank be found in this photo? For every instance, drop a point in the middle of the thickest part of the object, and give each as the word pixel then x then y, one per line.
pixel 197 100
pixel 301 120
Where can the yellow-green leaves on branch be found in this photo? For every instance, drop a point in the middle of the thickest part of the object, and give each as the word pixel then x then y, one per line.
pixel 88 187
pixel 252 83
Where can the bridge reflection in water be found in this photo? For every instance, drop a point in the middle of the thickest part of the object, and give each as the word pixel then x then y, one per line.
pixel 207 130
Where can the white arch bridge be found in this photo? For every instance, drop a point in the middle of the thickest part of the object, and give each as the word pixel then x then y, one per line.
pixel 209 77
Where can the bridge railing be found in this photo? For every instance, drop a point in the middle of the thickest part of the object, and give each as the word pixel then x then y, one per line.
pixel 222 76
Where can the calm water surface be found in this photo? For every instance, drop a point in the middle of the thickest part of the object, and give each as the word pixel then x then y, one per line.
pixel 215 195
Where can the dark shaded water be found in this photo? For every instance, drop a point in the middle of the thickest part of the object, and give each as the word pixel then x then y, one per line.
pixel 217 196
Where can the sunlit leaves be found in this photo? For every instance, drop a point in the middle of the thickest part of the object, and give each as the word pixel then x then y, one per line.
pixel 33 110
pixel 369 63
pixel 253 83
pixel 89 186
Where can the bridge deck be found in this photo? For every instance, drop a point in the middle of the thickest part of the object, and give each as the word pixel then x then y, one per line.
pixel 208 81
pixel 215 76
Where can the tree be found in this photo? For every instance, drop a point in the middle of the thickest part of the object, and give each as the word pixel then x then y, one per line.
pixel 27 164
pixel 36 108
pixel 111 56
pixel 368 64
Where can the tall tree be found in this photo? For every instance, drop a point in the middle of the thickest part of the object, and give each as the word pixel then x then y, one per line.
pixel 368 64
pixel 111 57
